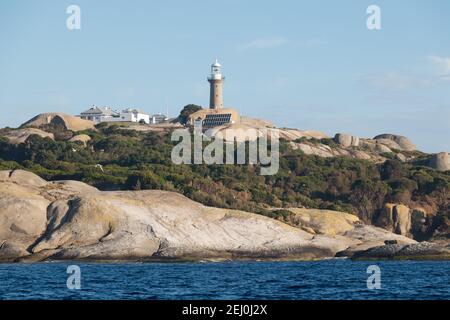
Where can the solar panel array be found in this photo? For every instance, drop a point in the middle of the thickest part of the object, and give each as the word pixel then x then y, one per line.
pixel 214 120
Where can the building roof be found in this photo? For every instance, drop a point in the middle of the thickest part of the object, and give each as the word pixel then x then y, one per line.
pixel 132 110
pixel 104 111
pixel 216 64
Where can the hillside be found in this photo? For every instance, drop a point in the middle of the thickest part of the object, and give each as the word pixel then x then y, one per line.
pixel 383 181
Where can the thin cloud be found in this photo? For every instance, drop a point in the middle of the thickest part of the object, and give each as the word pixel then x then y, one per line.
pixel 395 81
pixel 442 65
pixel 263 43
pixel 404 81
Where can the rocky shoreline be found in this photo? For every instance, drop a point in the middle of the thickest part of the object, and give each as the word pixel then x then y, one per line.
pixel 416 251
pixel 70 220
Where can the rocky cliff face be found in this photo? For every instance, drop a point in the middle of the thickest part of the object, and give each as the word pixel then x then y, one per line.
pixel 42 220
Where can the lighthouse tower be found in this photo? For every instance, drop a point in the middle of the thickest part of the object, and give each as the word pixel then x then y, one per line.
pixel 216 86
pixel 216 115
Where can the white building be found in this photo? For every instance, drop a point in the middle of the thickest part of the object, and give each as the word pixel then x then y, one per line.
pixel 133 115
pixel 99 114
pixel 158 118
pixel 106 114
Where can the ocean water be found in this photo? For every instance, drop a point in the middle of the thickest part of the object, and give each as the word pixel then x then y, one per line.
pixel 330 279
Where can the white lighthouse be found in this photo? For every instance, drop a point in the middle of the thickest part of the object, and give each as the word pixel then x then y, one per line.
pixel 216 86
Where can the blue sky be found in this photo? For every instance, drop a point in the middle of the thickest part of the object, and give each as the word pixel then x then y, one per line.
pixel 301 64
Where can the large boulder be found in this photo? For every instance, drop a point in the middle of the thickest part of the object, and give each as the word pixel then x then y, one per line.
pixel 440 161
pixel 81 138
pixel 23 218
pixel 368 236
pixel 327 222
pixel 381 148
pixel 22 177
pixel 374 146
pixel 421 250
pixel 17 136
pixel 346 140
pixel 396 218
pixel 396 142
pixel 67 121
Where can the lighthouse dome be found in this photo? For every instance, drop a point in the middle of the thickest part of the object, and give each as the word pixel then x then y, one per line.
pixel 216 64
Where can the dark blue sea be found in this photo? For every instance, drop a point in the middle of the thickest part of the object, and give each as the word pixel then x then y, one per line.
pixel 330 279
